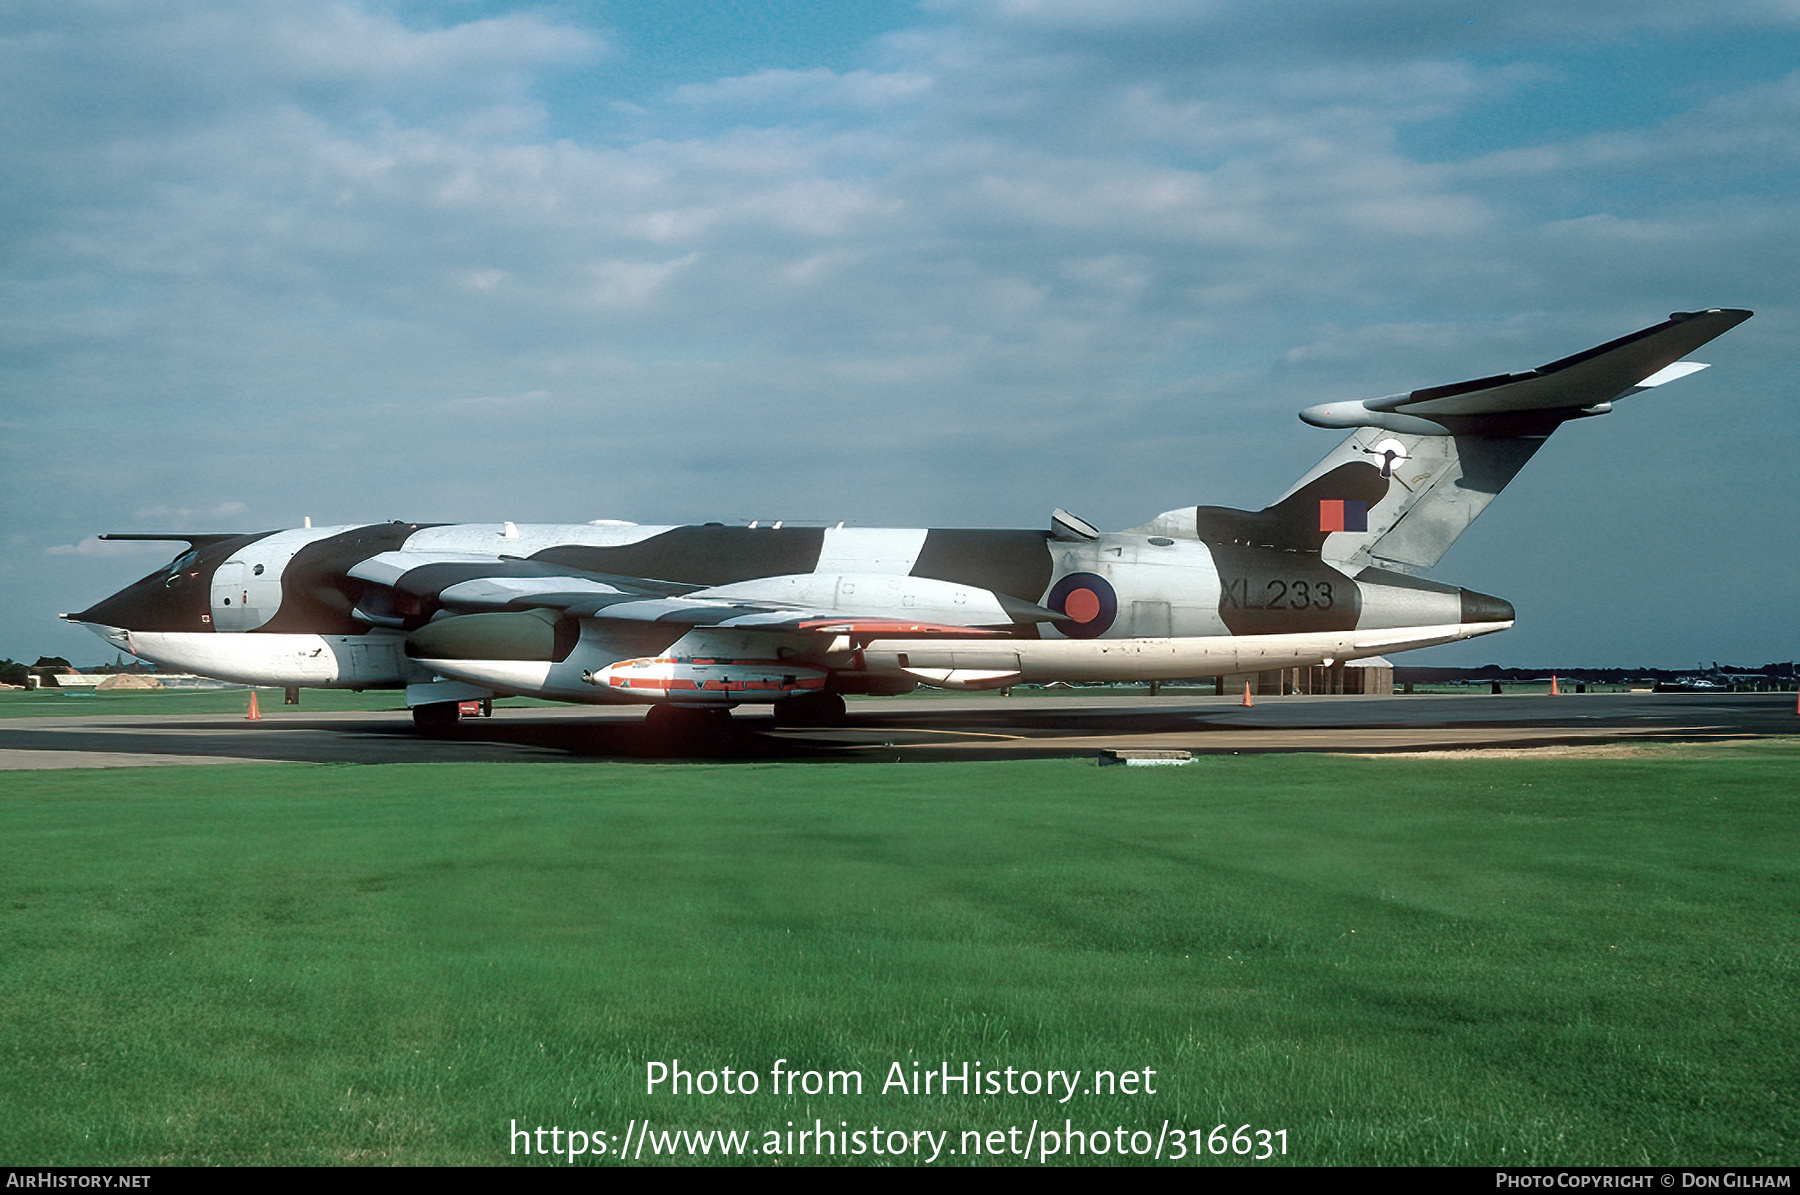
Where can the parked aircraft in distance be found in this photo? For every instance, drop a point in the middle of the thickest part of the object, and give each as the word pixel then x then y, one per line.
pixel 702 618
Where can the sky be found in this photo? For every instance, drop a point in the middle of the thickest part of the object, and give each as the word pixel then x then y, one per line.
pixel 951 263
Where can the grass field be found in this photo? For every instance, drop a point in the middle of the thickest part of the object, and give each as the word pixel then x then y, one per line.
pixel 1532 961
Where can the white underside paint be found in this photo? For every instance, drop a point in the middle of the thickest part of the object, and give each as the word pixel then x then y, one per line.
pixel 378 660
pixel 520 678
pixel 1041 661
pixel 372 661
pixel 964 678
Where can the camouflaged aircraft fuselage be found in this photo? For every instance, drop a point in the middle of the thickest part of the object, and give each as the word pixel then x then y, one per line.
pixel 715 615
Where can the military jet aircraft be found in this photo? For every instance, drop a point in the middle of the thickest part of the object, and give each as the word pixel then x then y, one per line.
pixel 690 619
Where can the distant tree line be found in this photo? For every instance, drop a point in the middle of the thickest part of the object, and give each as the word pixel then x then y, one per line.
pixel 1416 674
pixel 13 672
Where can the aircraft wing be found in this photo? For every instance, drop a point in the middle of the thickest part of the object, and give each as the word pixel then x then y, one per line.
pixel 844 603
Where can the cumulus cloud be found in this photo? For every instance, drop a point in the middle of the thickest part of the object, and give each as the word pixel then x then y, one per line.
pixel 1747 129
pixel 94 546
pixel 113 69
pixel 819 87
pixel 1380 26
pixel 179 517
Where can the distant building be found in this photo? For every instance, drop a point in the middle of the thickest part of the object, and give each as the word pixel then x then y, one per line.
pixel 1372 677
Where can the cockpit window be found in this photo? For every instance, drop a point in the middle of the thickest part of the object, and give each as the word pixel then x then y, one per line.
pixel 179 568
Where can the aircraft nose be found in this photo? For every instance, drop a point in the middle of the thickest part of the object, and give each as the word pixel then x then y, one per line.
pixel 166 600
pixel 117 637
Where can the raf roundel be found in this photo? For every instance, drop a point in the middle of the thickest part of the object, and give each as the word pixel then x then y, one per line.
pixel 1088 604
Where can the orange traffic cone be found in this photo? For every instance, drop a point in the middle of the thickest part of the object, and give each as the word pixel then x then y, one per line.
pixel 253 716
pixel 1554 691
pixel 1247 700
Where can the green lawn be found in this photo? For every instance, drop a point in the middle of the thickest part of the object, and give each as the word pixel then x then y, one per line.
pixel 1537 961
pixel 64 703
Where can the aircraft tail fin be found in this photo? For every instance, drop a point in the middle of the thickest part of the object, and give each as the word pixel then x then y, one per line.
pixel 1420 494
pixel 1421 466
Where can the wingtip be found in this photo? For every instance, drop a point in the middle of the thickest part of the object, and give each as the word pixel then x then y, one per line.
pixel 1737 314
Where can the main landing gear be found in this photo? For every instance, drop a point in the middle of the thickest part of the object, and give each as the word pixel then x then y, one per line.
pixel 814 709
pixel 687 721
pixel 436 719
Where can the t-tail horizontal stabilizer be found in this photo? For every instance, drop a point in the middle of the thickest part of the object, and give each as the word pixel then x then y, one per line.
pixel 1422 465
pixel 193 539
pixel 1539 399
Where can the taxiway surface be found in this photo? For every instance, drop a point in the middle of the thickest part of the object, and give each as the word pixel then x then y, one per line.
pixel 917 728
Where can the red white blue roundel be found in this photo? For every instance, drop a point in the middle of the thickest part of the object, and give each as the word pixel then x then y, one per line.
pixel 1088 605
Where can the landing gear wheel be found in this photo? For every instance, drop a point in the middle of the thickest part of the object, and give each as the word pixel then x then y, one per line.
pixel 436 719
pixel 814 709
